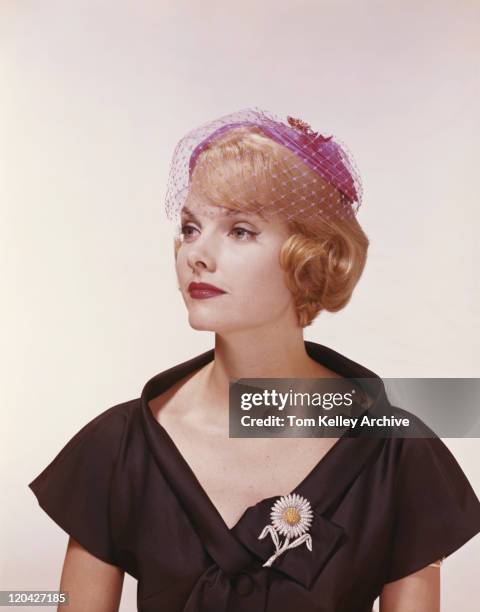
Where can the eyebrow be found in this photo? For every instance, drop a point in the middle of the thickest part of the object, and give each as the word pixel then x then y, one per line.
pixel 229 213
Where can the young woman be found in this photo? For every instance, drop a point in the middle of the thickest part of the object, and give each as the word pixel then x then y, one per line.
pixel 155 487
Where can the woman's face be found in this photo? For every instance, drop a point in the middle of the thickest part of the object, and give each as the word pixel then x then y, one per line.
pixel 238 253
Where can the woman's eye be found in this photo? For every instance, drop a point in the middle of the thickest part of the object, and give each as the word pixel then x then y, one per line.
pixel 185 231
pixel 240 233
pixel 244 234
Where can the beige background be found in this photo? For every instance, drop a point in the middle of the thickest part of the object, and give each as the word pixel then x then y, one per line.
pixel 95 95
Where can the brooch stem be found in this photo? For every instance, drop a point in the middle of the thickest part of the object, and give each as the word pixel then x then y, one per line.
pixel 291 516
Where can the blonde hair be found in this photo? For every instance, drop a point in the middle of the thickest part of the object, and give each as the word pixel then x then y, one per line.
pixel 323 258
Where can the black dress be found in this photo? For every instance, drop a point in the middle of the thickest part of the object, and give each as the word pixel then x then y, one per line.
pixel 383 509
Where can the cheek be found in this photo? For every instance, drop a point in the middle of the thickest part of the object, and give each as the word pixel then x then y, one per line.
pixel 254 279
pixel 263 279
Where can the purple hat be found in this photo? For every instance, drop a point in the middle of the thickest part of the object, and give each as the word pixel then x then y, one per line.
pixel 338 192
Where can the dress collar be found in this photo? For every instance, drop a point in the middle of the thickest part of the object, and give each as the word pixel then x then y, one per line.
pixel 232 549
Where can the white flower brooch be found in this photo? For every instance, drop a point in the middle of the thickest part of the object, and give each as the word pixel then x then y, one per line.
pixel 291 516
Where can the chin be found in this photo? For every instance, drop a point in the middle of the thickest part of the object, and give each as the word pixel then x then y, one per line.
pixel 225 326
pixel 202 322
pixel 200 326
pixel 214 324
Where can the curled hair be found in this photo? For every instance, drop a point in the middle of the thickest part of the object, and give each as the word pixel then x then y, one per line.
pixel 323 261
pixel 323 258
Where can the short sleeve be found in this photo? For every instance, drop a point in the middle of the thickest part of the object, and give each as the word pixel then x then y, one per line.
pixel 436 510
pixel 75 488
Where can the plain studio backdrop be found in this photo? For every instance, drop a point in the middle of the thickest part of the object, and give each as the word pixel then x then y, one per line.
pixel 95 95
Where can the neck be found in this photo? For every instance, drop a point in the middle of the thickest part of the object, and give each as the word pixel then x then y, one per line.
pixel 258 354
pixel 261 354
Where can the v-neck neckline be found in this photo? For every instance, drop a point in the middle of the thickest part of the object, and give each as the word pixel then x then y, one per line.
pixel 182 474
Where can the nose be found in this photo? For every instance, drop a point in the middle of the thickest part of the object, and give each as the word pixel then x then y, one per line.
pixel 201 254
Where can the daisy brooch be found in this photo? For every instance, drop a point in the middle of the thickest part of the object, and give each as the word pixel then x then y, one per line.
pixel 291 516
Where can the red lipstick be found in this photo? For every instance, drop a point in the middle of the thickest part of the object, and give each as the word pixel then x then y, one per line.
pixel 201 291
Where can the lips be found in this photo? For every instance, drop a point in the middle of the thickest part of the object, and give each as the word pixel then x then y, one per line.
pixel 201 291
